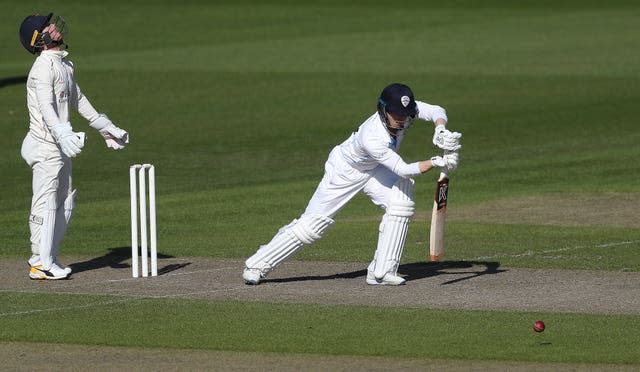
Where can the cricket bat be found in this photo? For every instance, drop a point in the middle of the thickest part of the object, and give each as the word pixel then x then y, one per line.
pixel 436 238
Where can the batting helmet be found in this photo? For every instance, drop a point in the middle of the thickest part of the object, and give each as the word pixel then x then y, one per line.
pixel 398 99
pixel 31 35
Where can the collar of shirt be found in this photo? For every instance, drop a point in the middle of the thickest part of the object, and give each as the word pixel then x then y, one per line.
pixel 55 53
pixel 392 138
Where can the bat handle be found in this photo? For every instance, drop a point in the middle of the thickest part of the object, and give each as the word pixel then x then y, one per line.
pixel 443 175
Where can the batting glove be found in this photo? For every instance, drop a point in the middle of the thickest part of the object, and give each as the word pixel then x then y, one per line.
pixel 445 139
pixel 448 162
pixel 70 143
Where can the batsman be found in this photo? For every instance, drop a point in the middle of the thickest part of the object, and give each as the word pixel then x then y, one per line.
pixel 52 92
pixel 367 161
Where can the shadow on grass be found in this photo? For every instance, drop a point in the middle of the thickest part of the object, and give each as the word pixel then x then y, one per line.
pixel 5 82
pixel 117 258
pixel 416 271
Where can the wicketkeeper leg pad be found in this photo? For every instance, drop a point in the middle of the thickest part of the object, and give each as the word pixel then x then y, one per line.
pixel 291 238
pixel 47 231
pixel 63 216
pixel 393 229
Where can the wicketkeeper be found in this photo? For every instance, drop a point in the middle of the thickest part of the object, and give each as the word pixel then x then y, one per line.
pixel 52 92
pixel 367 161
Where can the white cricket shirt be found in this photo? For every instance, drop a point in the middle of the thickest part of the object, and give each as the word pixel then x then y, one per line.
pixel 372 144
pixel 52 92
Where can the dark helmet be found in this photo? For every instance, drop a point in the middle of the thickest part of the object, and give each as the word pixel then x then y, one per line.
pixel 398 99
pixel 31 34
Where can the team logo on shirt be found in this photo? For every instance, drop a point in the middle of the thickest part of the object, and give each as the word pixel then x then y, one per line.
pixel 35 219
pixel 405 101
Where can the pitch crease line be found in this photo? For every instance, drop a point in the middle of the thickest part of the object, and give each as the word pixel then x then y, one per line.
pixel 51 309
pixel 532 252
pixel 129 298
pixel 172 274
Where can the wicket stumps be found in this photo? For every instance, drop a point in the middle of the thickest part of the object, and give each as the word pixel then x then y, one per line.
pixel 139 193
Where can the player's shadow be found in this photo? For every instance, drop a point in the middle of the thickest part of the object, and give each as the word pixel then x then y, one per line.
pixel 347 275
pixel 416 271
pixel 14 80
pixel 463 270
pixel 116 258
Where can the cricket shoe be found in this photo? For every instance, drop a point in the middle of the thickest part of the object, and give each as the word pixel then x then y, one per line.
pixel 54 273
pixel 252 276
pixel 388 279
pixel 35 261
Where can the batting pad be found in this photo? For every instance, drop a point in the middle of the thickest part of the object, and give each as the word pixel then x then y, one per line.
pixel 394 228
pixel 289 239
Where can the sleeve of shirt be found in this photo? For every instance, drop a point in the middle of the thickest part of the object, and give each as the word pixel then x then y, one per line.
pixel 429 112
pixel 41 78
pixel 391 159
pixel 85 109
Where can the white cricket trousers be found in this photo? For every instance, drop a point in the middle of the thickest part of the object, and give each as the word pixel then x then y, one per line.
pixel 51 176
pixel 341 182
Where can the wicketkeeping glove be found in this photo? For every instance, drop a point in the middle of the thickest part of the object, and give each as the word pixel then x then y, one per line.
pixel 445 139
pixel 70 143
pixel 115 138
pixel 448 162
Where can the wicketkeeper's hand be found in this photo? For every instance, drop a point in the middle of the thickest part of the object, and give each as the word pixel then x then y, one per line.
pixel 70 143
pixel 445 139
pixel 115 138
pixel 448 162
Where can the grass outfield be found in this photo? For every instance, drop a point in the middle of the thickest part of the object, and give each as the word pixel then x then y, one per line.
pixel 330 330
pixel 237 104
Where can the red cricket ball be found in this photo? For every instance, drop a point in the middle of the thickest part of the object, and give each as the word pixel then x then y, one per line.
pixel 538 326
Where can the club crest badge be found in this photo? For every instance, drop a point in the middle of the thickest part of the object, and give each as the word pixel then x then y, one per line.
pixel 405 101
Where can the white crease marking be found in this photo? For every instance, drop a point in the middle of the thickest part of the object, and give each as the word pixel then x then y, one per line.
pixel 34 311
pixel 546 251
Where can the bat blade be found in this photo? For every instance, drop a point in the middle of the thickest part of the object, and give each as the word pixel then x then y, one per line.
pixel 436 237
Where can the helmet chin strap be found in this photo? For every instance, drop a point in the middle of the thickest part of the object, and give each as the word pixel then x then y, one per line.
pixel 382 111
pixel 393 131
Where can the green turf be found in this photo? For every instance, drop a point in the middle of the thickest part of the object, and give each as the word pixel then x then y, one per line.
pixel 332 330
pixel 238 103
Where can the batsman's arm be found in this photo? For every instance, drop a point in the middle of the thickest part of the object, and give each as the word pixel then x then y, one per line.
pixel 41 80
pixel 426 165
pixel 448 161
pixel 440 121
pixel 434 113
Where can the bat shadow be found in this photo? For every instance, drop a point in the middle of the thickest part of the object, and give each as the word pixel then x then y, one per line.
pixel 117 258
pixel 468 270
pixel 414 271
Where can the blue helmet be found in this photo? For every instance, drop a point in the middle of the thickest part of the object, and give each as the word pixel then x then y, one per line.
pixel 398 99
pixel 31 35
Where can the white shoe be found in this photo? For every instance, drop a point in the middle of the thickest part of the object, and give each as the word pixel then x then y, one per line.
pixel 388 279
pixel 35 261
pixel 66 268
pixel 54 273
pixel 252 276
